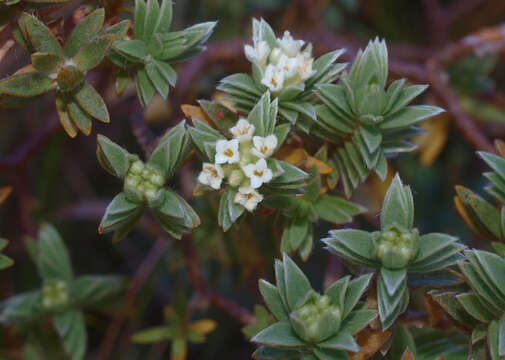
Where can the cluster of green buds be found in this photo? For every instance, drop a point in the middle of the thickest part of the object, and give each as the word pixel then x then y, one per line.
pixel 55 294
pixel 143 181
pixel 395 247
pixel 316 319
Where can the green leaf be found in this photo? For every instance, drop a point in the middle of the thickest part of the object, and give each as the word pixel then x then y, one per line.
pixel 80 118
pixel 171 151
pixel 133 50
pixel 279 335
pixel 151 18
pixel 153 335
pixel 26 85
pixel 22 308
pixel 397 208
pixel 297 284
pixel 342 341
pixel 393 279
pixel 273 299
pixel 119 29
pixel 139 19
pixel 410 116
pixel 94 289
pixel 166 70
pixel 157 78
pixel 54 261
pixel 84 33
pixel 121 213
pixel 145 88
pixel 353 245
pixel 474 307
pixel 5 262
pixel 266 353
pixel 72 331
pixel 336 209
pixel 263 116
pixel 493 340
pixel 263 319
pixel 327 354
pixel 39 35
pixel 92 103
pixel 358 320
pixel 296 231
pixel 165 17
pixel 46 63
pixel 337 292
pixel 204 138
pixel 93 53
pixel 355 290
pixel 113 157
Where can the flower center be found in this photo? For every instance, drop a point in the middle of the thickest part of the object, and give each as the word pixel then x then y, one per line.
pixel 258 173
pixel 273 81
pixel 228 152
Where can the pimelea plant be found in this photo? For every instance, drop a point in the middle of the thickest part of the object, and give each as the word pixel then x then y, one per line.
pixel 295 145
pixel 395 251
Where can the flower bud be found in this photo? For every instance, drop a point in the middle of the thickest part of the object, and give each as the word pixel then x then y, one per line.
pixel 236 177
pixel 55 294
pixel 69 77
pixel 136 168
pixel 395 248
pixel 157 179
pixel 275 55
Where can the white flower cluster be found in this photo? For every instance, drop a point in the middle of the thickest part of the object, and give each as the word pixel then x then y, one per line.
pixel 283 65
pixel 241 162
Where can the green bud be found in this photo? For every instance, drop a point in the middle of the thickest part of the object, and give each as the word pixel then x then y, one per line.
pixel 69 77
pixel 236 177
pixel 395 248
pixel 55 294
pixel 136 168
pixel 157 179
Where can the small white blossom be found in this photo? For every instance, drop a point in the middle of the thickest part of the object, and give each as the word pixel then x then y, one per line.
pixel 273 78
pixel 275 55
pixel 264 146
pixel 290 46
pixel 258 53
pixel 212 175
pixel 289 65
pixel 248 199
pixel 227 151
pixel 258 173
pixel 242 131
pixel 304 65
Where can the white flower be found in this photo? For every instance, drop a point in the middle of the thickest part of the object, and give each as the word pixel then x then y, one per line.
pixel 290 46
pixel 264 146
pixel 288 65
pixel 242 131
pixel 258 53
pixel 275 55
pixel 248 199
pixel 273 78
pixel 227 151
pixel 212 175
pixel 304 65
pixel 258 173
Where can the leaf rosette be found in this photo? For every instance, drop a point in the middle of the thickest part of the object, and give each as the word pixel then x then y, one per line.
pixel 144 186
pixel 63 69
pixel 311 325
pixel 396 251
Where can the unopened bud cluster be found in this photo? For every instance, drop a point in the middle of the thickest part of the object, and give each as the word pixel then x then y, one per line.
pixel 69 77
pixel 317 319
pixel 395 248
pixel 144 181
pixel 55 294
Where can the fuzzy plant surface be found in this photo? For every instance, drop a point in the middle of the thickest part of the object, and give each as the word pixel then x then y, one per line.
pixel 397 250
pixel 154 47
pixel 310 325
pixel 285 67
pixel 62 70
pixel 179 330
pixel 239 159
pixel 62 297
pixel 366 121
pixel 144 186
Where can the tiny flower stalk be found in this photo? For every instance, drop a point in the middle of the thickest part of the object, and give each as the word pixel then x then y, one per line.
pixel 63 69
pixel 62 297
pixel 239 158
pixel 309 324
pixel 144 185
pixel 286 68
pixel 397 250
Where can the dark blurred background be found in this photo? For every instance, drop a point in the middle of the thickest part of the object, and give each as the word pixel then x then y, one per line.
pixel 58 179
